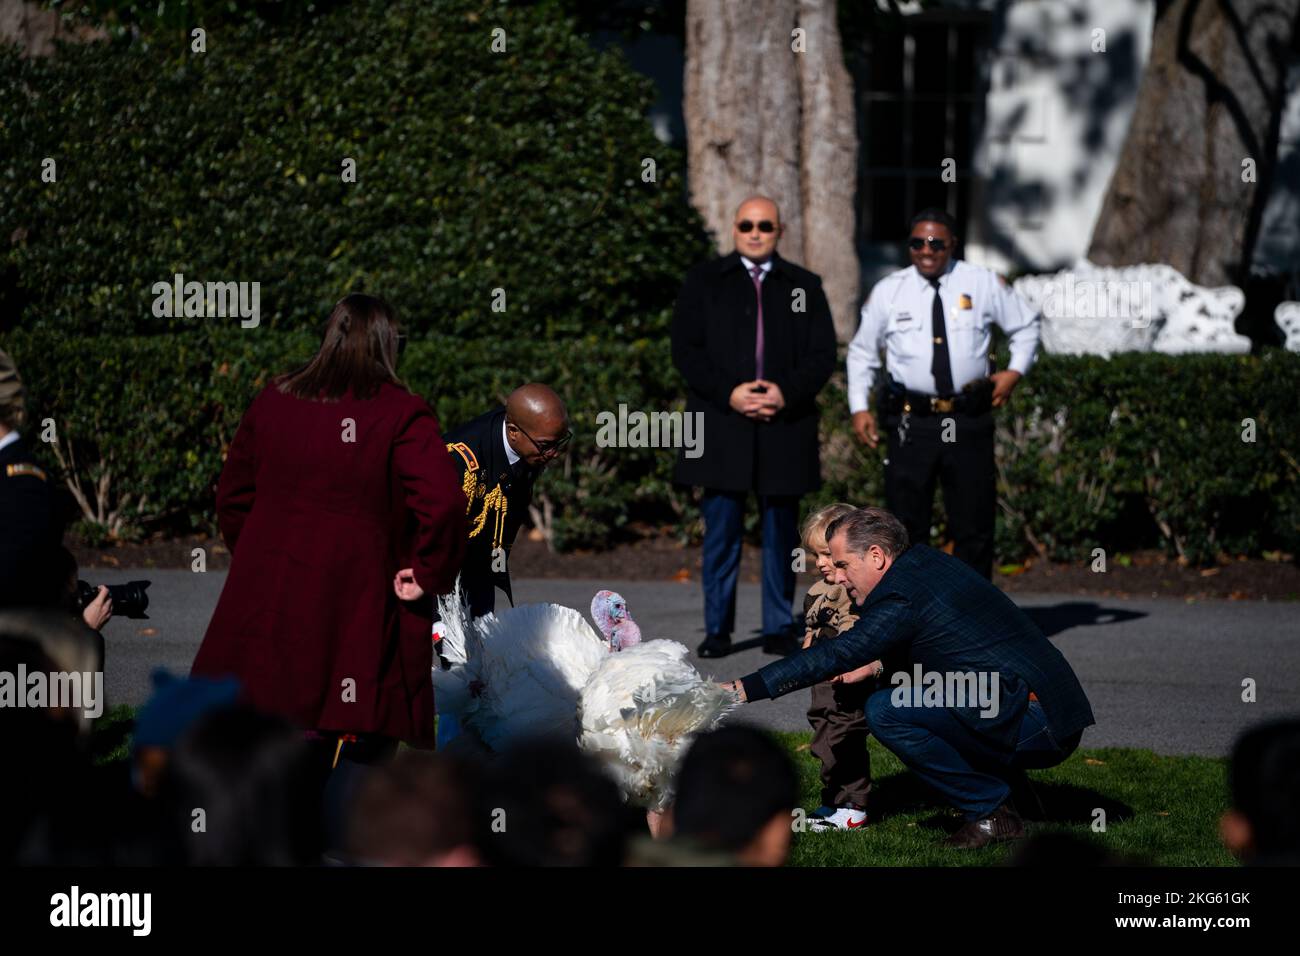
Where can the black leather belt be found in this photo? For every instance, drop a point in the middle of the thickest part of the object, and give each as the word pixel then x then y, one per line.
pixel 919 403
pixel 975 399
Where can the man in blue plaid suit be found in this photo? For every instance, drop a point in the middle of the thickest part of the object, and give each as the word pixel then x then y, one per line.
pixel 984 695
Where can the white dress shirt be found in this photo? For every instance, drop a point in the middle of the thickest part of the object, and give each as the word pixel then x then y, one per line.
pixel 749 267
pixel 511 455
pixel 897 318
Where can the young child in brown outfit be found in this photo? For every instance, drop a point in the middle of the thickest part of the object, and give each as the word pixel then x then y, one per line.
pixel 836 715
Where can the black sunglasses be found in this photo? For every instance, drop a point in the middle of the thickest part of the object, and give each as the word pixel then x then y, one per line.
pixel 546 447
pixel 766 225
pixel 936 245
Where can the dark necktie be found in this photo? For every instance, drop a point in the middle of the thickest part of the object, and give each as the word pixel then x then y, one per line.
pixel 757 274
pixel 940 366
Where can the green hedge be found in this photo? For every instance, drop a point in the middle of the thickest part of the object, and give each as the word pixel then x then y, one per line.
pixel 1135 451
pixel 476 171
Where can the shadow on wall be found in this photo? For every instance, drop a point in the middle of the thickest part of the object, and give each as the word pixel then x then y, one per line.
pixel 1058 116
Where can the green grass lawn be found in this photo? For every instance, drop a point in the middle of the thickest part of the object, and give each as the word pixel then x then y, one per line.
pixel 110 738
pixel 1160 811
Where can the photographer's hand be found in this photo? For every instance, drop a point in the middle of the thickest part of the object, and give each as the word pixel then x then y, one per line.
pixel 99 610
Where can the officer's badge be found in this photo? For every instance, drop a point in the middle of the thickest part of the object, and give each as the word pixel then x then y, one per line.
pixel 964 302
pixel 460 448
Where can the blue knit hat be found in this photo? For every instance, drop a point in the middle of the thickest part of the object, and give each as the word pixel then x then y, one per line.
pixel 177 702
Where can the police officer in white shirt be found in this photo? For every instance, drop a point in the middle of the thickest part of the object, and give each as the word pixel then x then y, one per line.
pixel 935 397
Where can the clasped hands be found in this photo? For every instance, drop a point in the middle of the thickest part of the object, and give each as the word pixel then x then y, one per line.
pixel 760 406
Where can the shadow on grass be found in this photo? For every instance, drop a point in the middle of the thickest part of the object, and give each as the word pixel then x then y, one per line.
pixel 904 793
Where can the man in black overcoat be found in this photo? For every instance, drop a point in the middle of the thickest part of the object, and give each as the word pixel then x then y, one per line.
pixel 752 336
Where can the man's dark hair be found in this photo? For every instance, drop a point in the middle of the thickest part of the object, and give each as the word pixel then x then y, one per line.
pixel 546 803
pixel 1264 780
pixel 934 214
pixel 732 782
pixel 870 526
pixel 416 808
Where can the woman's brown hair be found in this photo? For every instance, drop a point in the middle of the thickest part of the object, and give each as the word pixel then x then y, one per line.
pixel 358 353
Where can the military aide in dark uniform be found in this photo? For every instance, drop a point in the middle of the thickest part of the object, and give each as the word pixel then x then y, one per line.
pixel 29 529
pixel 500 456
pixel 35 569
pixel 934 320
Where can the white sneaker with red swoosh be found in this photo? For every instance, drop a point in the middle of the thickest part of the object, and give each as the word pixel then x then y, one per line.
pixel 844 818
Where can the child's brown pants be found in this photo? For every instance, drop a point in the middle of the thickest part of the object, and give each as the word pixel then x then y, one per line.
pixel 840 742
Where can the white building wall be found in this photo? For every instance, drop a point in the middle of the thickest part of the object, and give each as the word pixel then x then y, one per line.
pixel 1058 111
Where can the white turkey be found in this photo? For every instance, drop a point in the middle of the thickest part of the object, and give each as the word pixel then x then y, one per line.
pixel 541 668
pixel 639 711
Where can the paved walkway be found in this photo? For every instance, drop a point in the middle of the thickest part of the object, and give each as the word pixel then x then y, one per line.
pixel 1161 673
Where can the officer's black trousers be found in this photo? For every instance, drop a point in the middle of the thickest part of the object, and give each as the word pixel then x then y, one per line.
pixel 964 466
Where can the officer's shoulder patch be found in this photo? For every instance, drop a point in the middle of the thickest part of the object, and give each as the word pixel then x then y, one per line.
pixel 25 468
pixel 464 451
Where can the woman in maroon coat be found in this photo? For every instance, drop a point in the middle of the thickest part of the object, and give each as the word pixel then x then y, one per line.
pixel 336 470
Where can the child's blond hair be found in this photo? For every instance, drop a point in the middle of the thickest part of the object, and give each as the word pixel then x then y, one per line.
pixel 815 525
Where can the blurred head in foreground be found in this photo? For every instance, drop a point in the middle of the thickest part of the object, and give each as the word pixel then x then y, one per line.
pixel 736 792
pixel 416 811
pixel 176 703
pixel 545 803
pixel 1263 824
pixel 242 790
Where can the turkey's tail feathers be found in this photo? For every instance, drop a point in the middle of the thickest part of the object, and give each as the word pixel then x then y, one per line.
pixel 453 609
pixel 640 712
pixel 459 646
pixel 529 663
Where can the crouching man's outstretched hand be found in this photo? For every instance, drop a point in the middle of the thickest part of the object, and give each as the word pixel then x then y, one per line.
pixel 735 687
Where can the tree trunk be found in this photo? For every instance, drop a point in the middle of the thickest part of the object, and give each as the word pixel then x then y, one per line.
pixel 764 118
pixel 34 28
pixel 829 147
pixel 1211 97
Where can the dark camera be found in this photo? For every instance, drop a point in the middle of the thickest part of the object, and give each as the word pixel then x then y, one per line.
pixel 129 600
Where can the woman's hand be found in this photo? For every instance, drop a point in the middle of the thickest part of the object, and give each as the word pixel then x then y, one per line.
pixel 404 585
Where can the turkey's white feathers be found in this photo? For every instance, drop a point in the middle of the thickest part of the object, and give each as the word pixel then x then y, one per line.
pixel 639 711
pixel 542 669
pixel 454 613
pixel 460 647
pixel 534 660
